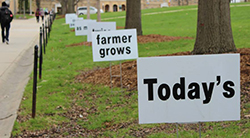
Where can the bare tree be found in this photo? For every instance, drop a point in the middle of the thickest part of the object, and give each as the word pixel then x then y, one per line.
pixel 38 3
pixel 88 10
pixel 64 6
pixel 68 6
pixel 133 15
pixel 99 11
pixel 214 33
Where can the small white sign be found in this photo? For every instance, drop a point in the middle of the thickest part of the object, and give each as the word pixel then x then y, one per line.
pixel 72 24
pixel 69 17
pixel 186 89
pixel 100 27
pixel 81 27
pixel 114 45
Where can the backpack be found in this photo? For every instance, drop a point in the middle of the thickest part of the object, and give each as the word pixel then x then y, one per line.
pixel 37 13
pixel 6 16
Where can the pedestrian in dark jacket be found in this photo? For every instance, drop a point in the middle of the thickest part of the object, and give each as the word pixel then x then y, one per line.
pixel 6 17
pixel 37 14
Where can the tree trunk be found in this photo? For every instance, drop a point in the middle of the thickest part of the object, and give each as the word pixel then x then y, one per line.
pixel 38 4
pixel 214 33
pixel 64 6
pixel 99 11
pixel 70 6
pixel 88 10
pixel 179 2
pixel 133 15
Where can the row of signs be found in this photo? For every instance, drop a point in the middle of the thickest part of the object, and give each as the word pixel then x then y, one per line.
pixel 178 89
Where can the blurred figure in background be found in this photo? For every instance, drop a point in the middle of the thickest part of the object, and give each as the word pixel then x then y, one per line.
pixel 42 13
pixel 37 14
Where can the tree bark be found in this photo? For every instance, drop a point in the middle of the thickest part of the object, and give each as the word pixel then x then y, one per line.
pixel 214 33
pixel 64 6
pixel 99 11
pixel 38 4
pixel 88 10
pixel 70 6
pixel 133 15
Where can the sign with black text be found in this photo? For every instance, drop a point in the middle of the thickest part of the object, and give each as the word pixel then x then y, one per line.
pixel 186 89
pixel 81 27
pixel 69 17
pixel 72 24
pixel 100 27
pixel 114 45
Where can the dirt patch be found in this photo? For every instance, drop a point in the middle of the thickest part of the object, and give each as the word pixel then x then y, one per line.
pixel 80 44
pixel 158 38
pixel 60 16
pixel 129 72
pixel 152 38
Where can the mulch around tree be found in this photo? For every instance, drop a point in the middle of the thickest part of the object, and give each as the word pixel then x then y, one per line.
pixel 152 38
pixel 129 72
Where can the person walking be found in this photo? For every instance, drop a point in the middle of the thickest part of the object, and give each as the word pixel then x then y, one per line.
pixel 6 17
pixel 42 13
pixel 37 14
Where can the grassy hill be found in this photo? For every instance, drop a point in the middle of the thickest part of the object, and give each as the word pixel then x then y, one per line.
pixel 69 108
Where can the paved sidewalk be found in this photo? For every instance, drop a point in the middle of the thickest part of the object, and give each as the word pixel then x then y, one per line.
pixel 16 63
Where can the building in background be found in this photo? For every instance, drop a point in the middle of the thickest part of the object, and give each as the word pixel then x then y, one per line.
pixel 108 5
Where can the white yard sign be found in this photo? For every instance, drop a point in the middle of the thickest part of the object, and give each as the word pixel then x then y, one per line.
pixel 182 89
pixel 69 17
pixel 114 45
pixel 100 27
pixel 72 24
pixel 81 27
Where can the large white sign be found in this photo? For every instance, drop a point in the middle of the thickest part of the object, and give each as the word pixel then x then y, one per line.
pixel 114 45
pixel 81 27
pixel 182 89
pixel 100 27
pixel 69 17
pixel 72 24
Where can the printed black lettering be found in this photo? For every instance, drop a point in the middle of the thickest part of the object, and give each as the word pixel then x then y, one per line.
pixel 120 50
pixel 102 52
pixel 229 90
pixel 181 87
pixel 107 51
pixel 129 38
pixel 128 51
pixel 109 40
pixel 194 93
pixel 116 39
pixel 98 39
pixel 208 92
pixel 167 91
pixel 103 41
pixel 150 83
pixel 113 51
pixel 124 39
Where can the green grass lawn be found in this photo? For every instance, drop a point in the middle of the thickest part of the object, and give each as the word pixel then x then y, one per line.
pixel 97 111
pixel 21 16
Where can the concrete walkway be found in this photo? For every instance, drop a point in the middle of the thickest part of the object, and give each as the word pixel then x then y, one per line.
pixel 16 63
